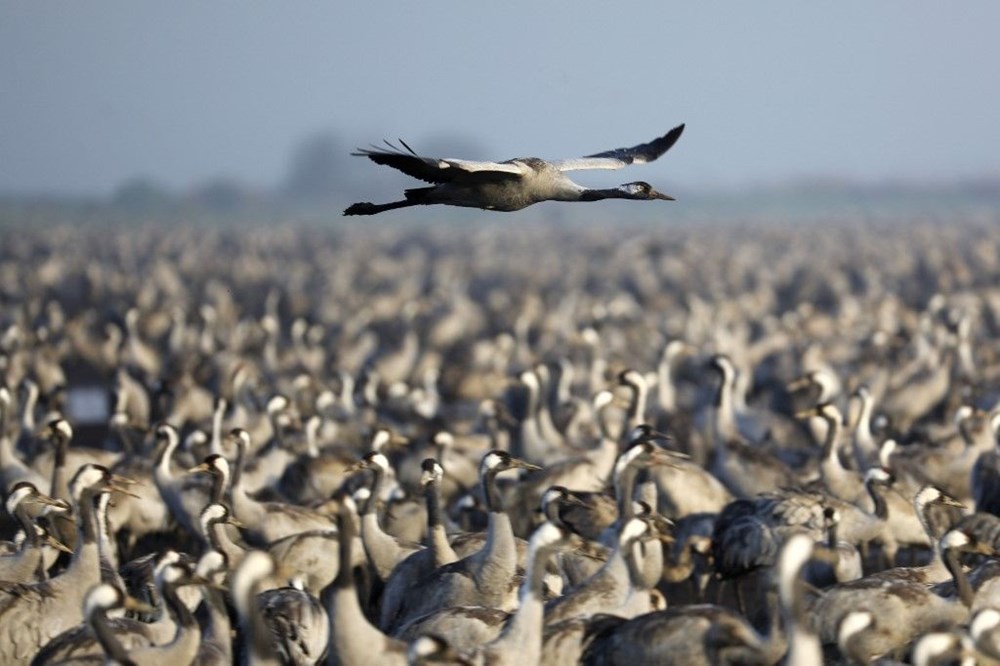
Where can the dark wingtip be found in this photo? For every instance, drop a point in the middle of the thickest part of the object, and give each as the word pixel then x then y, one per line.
pixel 670 138
pixel 362 208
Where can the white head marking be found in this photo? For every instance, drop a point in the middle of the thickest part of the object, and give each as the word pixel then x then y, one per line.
pixel 101 597
pixel 985 620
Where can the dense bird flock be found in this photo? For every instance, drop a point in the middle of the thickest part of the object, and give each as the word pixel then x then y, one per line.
pixel 606 444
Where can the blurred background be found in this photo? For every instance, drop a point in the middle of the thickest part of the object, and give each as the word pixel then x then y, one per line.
pixel 253 108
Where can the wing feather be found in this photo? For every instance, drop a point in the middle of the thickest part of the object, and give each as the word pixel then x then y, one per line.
pixel 436 170
pixel 622 157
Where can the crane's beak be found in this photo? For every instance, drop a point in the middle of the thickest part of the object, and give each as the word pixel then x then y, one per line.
pixel 235 523
pixel 120 484
pixel 668 457
pixel 572 500
pixel 57 544
pixel 44 500
pixel 356 466
pixel 661 195
pixel 807 413
pixel 517 463
pixel 798 384
pixel 137 606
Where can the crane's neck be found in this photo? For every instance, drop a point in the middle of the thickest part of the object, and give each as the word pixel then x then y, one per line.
pixel 163 470
pixel 218 539
pixel 881 508
pixel 353 635
pixel 496 562
pixel 523 633
pixel 950 558
pixel 637 405
pixel 181 613
pixel 599 194
pixel 725 408
pixel 28 407
pixel 865 448
pixel 105 547
pixel 59 488
pixel 106 637
pixel 625 478
pixel 666 390
pixel 215 443
pixel 437 537
pixel 377 487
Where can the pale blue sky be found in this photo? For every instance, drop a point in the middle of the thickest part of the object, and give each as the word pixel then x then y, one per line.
pixel 94 92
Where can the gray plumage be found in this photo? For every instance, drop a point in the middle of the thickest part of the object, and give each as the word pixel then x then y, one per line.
pixel 513 184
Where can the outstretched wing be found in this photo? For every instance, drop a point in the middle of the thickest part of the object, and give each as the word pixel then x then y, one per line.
pixel 621 157
pixel 436 170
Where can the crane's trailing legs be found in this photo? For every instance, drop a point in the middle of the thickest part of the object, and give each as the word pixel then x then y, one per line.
pixel 414 197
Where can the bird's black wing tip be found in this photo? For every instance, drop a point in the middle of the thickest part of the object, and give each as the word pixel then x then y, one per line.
pixel 361 208
pixel 670 138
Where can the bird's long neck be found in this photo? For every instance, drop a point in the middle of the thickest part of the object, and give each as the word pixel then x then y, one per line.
pixel 637 405
pixel 31 537
pixel 881 507
pixel 218 539
pixel 377 487
pixel 162 471
pixel 523 633
pixel 182 614
pixel 666 390
pixel 59 489
pixel 803 643
pixel 381 547
pixel 105 545
pixel 624 481
pixel 865 448
pixel 8 455
pixel 183 648
pixel 217 627
pixel 725 408
pixel 28 408
pixel 831 468
pixel 106 637
pixel 496 561
pixel 346 531
pixel 950 558
pixel 84 569
pixel 436 536
pixel 256 635
pixel 215 443
pixel 599 194
pixel 245 509
pixel 353 636
pixel 832 441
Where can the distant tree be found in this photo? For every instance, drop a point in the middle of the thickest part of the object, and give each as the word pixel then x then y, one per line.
pixel 142 193
pixel 221 195
pixel 316 165
pixel 322 170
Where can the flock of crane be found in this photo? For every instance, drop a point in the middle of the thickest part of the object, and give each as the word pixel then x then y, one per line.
pixel 605 444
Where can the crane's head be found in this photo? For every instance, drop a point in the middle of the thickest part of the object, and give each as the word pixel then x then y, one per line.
pixel 637 190
pixel 641 190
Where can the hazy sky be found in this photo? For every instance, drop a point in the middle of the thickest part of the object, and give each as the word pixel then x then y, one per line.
pixel 94 92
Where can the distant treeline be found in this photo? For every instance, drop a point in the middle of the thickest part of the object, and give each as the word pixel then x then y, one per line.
pixel 322 177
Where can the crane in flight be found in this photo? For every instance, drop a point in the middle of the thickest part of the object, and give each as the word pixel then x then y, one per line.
pixel 513 184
